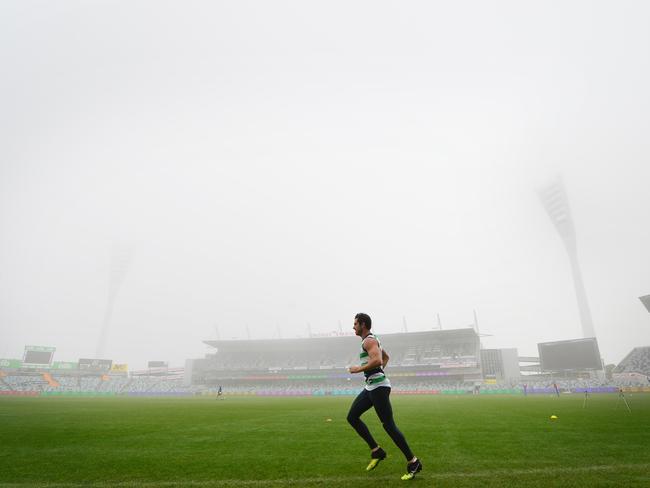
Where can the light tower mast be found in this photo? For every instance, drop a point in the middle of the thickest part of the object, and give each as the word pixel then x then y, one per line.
pixel 555 202
pixel 121 255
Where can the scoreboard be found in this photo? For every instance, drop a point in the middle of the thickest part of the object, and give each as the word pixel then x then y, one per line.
pixel 38 356
pixel 572 355
pixel 96 365
pixel 157 364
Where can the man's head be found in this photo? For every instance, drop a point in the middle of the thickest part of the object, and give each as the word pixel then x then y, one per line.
pixel 362 322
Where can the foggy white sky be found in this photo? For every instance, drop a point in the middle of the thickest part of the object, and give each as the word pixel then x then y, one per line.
pixel 285 163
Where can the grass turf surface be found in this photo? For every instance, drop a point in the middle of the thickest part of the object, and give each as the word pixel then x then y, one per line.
pixel 487 441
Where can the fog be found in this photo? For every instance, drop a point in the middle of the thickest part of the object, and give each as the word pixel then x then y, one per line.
pixel 267 168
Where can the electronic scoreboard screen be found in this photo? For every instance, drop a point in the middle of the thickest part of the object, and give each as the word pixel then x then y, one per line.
pixel 99 365
pixel 38 357
pixel 573 355
pixel 157 364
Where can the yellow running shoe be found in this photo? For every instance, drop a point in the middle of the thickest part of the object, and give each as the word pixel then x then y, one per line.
pixel 378 455
pixel 412 469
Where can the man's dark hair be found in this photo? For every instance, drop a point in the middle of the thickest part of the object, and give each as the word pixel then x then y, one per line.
pixel 364 319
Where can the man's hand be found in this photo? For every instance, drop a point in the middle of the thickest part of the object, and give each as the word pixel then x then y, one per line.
pixel 355 369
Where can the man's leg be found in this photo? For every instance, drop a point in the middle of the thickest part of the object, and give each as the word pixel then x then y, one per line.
pixel 361 404
pixel 381 400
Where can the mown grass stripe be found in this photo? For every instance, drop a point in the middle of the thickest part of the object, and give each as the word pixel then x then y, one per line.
pixel 506 473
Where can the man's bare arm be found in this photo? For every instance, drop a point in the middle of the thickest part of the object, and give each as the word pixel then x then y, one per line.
pixel 374 357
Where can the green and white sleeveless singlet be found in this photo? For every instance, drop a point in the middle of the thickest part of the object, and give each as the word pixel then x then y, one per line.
pixel 378 378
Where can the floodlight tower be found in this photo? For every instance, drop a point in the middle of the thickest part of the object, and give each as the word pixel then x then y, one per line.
pixel 121 255
pixel 646 301
pixel 555 202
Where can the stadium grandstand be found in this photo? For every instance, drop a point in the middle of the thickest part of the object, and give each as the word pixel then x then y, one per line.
pixel 437 361
pixel 637 361
pixel 87 377
pixel 430 360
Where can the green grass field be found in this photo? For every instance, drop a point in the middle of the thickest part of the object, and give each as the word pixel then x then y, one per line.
pixel 484 441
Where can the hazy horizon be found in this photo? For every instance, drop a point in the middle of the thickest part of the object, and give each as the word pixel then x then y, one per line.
pixel 281 165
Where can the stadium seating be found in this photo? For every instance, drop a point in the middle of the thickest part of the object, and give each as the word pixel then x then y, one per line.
pixel 448 348
pixel 637 361
pixel 432 362
pixel 69 384
pixel 27 382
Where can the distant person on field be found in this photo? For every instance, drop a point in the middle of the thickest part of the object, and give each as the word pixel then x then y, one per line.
pixel 376 393
pixel 557 390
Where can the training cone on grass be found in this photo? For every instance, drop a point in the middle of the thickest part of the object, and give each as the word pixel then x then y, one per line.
pixel 553 417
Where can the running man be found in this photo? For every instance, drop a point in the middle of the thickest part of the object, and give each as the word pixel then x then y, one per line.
pixel 377 394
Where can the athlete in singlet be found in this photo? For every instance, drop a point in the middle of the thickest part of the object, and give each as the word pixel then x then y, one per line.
pixel 376 394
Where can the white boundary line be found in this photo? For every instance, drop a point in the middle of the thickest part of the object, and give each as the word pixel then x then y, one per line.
pixel 333 479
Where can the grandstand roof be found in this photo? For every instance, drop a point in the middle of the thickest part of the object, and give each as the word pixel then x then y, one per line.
pixel 430 336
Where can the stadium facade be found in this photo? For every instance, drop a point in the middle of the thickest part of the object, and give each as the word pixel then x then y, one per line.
pixel 500 365
pixel 426 358
pixel 38 375
pixel 431 362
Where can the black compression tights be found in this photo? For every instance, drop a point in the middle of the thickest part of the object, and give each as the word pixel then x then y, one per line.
pixel 380 399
